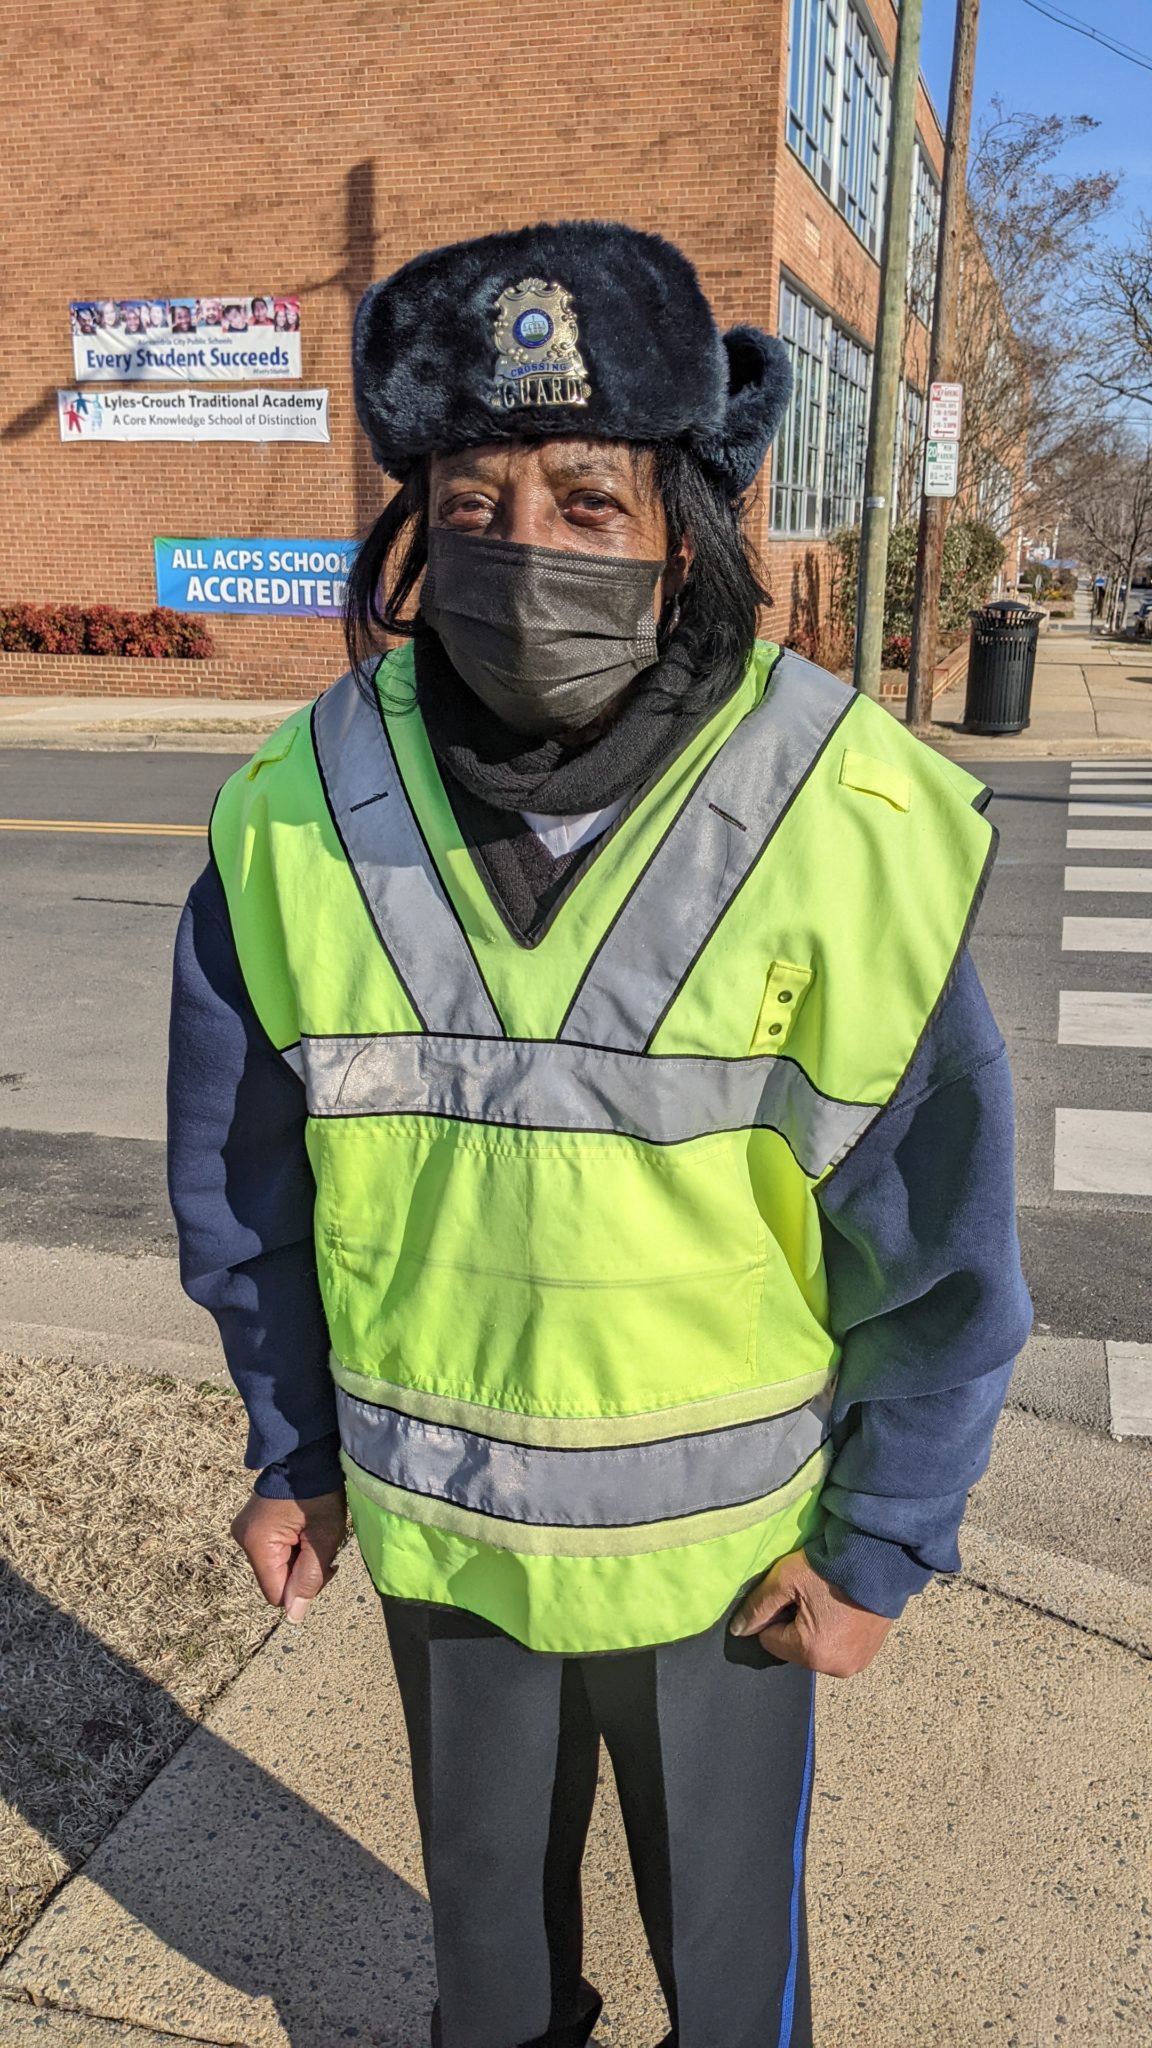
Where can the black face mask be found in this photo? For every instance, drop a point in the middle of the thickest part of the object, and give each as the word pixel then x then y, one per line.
pixel 544 638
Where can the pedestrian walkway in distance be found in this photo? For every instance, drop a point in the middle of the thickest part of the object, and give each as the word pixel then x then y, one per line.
pixel 1107 1149
pixel 1091 694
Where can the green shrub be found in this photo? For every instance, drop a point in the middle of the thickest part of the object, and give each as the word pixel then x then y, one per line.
pixel 973 557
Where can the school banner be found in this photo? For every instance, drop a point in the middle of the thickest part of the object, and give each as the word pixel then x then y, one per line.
pixel 225 340
pixel 188 415
pixel 266 578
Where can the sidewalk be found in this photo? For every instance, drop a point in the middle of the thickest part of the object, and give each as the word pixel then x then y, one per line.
pixel 977 1860
pixel 128 724
pixel 1092 698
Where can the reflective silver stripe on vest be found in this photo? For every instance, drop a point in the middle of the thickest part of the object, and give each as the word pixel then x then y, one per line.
pixel 397 875
pixel 544 1085
pixel 716 841
pixel 620 1488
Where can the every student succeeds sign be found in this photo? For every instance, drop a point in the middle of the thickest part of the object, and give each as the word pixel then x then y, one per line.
pixel 223 340
pixel 265 578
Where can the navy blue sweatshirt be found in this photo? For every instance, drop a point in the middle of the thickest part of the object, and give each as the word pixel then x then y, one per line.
pixel 927 1296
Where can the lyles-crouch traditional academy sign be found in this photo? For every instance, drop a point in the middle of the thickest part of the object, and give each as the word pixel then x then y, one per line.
pixel 88 414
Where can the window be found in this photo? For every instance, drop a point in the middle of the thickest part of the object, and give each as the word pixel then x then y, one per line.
pixel 995 494
pixel 924 239
pixel 863 131
pixel 838 108
pixel 846 440
pixel 818 464
pixel 812 85
pixel 796 461
pixel 906 468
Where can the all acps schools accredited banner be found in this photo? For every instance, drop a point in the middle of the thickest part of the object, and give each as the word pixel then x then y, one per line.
pixel 89 414
pixel 262 578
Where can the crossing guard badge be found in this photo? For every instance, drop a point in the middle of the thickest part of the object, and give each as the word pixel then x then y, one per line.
pixel 538 358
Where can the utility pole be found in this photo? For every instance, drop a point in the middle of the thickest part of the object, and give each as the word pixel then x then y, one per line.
pixel 877 516
pixel 942 365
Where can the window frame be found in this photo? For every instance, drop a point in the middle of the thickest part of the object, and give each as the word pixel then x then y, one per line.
pixel 920 292
pixel 837 170
pixel 828 491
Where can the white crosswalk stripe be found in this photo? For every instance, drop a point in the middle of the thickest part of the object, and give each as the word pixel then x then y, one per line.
pixel 1110 810
pixel 1130 1388
pixel 1105 1017
pixel 1104 1151
pixel 1113 788
pixel 1113 842
pixel 1107 935
pixel 1109 881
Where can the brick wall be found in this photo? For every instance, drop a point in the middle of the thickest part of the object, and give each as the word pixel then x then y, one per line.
pixel 157 149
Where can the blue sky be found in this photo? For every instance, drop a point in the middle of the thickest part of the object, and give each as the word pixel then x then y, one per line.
pixel 1041 68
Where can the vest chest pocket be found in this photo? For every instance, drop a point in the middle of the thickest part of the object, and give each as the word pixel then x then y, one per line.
pixel 784 993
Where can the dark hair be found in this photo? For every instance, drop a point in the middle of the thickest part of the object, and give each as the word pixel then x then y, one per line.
pixel 718 606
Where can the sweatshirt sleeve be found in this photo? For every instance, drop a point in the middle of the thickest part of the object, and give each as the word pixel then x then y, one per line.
pixel 242 1192
pixel 929 1303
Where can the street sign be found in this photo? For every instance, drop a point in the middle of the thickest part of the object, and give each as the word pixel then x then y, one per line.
pixel 945 411
pixel 941 469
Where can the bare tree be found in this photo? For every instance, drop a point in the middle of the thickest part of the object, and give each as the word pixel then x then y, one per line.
pixel 1121 320
pixel 1030 232
pixel 1101 480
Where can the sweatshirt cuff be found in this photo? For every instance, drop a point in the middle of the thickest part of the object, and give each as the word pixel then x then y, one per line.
pixel 877 1574
pixel 305 1472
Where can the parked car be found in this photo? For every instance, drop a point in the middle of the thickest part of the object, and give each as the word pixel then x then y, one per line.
pixel 1142 621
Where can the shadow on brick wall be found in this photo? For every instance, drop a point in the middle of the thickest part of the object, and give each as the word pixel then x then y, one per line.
pixel 357 271
pixel 32 417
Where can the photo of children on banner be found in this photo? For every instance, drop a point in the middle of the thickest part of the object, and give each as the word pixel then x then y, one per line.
pixel 151 319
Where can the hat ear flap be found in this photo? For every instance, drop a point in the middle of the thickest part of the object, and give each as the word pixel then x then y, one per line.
pixel 759 387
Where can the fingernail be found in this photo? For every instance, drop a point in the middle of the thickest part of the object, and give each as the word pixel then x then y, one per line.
pixel 295 1609
pixel 736 1626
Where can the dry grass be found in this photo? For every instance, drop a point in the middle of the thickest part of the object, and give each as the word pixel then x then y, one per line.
pixel 124 1606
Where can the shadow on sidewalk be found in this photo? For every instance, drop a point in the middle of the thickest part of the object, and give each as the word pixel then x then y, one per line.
pixel 231 1870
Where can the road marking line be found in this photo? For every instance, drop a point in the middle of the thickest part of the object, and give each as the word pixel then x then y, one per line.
pixel 1110 810
pixel 1103 1152
pixel 1116 842
pixel 1109 881
pixel 1107 935
pixel 1105 1017
pixel 100 825
pixel 1130 1388
pixel 1114 764
pixel 1112 788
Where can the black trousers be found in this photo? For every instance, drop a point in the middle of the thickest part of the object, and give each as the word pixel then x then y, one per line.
pixel 711 1745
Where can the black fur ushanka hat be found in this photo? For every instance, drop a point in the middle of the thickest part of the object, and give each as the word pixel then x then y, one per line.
pixel 584 328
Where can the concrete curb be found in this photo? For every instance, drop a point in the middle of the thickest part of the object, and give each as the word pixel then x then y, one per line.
pixel 24 2022
pixel 159 742
pixel 150 1355
pixel 1084 1596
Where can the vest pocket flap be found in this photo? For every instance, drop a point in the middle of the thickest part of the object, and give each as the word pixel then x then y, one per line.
pixel 277 749
pixel 877 778
pixel 784 992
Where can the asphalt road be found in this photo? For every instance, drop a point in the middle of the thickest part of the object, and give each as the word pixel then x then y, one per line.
pixel 86 927
pixel 1086 1255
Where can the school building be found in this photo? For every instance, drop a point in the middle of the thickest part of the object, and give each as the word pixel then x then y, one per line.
pixel 232 176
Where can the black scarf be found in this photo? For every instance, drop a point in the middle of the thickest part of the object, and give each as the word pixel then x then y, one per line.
pixel 492 773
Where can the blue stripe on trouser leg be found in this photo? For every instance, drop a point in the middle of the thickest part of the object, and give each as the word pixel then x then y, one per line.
pixel 788 2008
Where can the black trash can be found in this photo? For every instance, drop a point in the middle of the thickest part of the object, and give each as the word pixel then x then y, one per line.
pixel 1000 667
